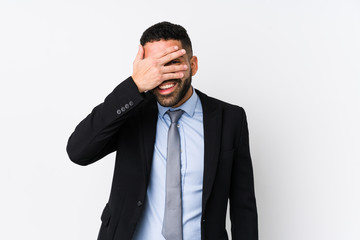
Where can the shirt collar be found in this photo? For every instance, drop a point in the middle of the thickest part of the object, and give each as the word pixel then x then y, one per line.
pixel 188 107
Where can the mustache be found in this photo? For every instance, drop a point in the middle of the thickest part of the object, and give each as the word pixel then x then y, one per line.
pixel 172 80
pixel 177 80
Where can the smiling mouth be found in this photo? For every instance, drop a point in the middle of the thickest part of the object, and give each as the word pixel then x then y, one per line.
pixel 167 86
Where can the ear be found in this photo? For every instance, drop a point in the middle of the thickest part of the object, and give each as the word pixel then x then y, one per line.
pixel 194 65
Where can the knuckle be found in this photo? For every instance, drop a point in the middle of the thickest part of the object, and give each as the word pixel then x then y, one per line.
pixel 168 58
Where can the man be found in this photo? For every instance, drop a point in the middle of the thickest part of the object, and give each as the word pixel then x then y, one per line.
pixel 172 178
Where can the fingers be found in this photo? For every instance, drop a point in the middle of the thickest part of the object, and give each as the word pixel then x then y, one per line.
pixel 174 68
pixel 140 53
pixel 167 51
pixel 171 56
pixel 149 72
pixel 168 76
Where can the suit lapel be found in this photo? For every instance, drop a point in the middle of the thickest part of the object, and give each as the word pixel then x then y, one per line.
pixel 212 116
pixel 147 131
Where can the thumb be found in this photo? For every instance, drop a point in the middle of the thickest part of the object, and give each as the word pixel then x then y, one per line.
pixel 140 54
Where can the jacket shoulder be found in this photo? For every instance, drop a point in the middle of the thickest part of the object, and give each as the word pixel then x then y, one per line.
pixel 214 103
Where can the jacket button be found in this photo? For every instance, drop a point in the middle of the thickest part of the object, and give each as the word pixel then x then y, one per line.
pixel 203 220
pixel 118 111
pixel 131 103
pixel 123 109
pixel 127 106
pixel 139 203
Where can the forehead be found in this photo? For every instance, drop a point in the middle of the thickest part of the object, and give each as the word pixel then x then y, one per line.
pixel 153 48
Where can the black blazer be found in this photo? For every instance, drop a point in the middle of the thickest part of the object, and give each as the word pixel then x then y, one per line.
pixel 126 123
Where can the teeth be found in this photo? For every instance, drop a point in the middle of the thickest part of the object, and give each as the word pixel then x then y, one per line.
pixel 167 86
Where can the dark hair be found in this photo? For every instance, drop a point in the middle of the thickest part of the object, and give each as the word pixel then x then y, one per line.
pixel 167 31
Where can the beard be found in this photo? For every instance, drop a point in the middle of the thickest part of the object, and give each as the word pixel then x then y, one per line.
pixel 177 95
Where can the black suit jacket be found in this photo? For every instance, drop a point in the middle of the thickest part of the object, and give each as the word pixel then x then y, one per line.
pixel 126 123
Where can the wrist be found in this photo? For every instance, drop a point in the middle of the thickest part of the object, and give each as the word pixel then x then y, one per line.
pixel 140 89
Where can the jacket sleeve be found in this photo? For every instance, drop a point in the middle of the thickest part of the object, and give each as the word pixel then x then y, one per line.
pixel 96 135
pixel 243 211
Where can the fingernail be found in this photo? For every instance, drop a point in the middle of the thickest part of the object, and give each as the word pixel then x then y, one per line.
pixel 176 47
pixel 183 51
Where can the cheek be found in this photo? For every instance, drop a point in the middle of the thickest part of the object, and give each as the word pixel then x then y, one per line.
pixel 186 73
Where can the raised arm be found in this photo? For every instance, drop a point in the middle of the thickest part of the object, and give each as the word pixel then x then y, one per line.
pixel 96 135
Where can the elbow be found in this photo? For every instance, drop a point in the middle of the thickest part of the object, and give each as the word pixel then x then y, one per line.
pixel 75 156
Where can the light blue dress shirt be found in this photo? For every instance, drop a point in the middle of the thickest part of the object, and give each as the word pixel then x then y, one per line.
pixel 192 167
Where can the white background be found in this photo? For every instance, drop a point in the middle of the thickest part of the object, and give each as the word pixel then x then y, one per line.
pixel 293 65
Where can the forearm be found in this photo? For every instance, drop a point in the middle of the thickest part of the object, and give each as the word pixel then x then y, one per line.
pixel 95 136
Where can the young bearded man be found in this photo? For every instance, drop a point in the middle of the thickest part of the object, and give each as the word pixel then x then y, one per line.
pixel 180 154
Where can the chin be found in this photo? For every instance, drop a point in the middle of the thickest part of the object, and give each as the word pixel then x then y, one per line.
pixel 175 97
pixel 167 101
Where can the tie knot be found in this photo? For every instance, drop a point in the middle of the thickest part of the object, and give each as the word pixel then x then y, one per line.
pixel 175 115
